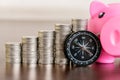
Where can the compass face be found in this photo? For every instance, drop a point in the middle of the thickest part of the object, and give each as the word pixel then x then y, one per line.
pixel 82 48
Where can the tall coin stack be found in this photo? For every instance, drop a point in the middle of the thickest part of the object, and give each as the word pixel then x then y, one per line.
pixel 62 31
pixel 13 52
pixel 46 46
pixel 29 49
pixel 79 24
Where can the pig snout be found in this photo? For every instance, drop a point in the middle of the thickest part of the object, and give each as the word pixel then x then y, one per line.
pixel 110 36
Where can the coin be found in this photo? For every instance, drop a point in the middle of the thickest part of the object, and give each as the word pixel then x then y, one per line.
pixel 29 49
pixel 29 39
pixel 46 46
pixel 62 31
pixel 13 52
pixel 79 24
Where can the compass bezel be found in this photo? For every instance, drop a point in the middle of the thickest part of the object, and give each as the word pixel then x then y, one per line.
pixel 69 55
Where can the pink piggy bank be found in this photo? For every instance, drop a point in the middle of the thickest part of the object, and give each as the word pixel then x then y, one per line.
pixel 105 21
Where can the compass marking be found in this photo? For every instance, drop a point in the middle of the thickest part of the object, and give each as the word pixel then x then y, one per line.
pixel 77 53
pixel 86 44
pixel 88 52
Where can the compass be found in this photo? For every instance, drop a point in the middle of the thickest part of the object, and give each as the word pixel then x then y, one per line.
pixel 82 48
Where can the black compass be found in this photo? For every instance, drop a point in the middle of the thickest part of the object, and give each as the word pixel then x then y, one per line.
pixel 82 48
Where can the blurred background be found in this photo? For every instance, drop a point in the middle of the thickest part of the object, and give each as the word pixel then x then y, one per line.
pixel 26 17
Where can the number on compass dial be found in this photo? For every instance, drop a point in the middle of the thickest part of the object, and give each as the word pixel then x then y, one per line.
pixel 82 48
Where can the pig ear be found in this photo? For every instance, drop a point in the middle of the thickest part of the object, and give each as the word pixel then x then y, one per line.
pixel 96 6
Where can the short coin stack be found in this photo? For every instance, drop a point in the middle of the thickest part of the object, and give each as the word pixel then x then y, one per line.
pixel 29 49
pixel 13 52
pixel 62 31
pixel 79 24
pixel 46 46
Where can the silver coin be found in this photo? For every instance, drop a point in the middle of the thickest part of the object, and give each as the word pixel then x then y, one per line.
pixel 13 60
pixel 46 46
pixel 44 41
pixel 60 40
pixel 29 48
pixel 8 54
pixel 10 44
pixel 29 61
pixel 18 48
pixel 29 55
pixel 79 24
pixel 60 56
pixel 29 44
pixel 13 52
pixel 46 55
pixel 13 57
pixel 62 31
pixel 46 33
pixel 63 27
pixel 46 38
pixel 30 52
pixel 45 52
pixel 29 39
pixel 46 61
pixel 13 46
pixel 29 58
pixel 59 47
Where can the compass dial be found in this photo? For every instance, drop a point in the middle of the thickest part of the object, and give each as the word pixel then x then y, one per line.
pixel 82 48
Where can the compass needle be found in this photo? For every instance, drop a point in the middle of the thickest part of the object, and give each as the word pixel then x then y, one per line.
pixel 88 47
pixel 74 47
pixel 86 44
pixel 90 53
pixel 83 43
pixel 79 44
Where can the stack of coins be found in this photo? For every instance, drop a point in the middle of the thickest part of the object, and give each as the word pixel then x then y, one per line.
pixel 62 31
pixel 79 24
pixel 46 46
pixel 29 49
pixel 13 52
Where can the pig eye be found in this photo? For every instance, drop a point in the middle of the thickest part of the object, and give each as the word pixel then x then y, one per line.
pixel 101 14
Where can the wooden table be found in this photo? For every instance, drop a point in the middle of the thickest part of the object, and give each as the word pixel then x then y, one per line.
pixel 59 72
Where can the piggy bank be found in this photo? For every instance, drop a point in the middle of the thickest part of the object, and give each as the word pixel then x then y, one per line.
pixel 105 21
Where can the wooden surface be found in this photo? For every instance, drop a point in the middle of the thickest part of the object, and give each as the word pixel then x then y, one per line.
pixel 59 72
